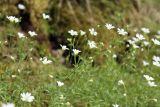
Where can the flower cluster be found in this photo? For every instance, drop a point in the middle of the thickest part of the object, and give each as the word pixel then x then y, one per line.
pixel 145 30
pixel 92 44
pixel 150 80
pixel 13 19
pixel 122 31
pixel 32 33
pixel 156 61
pixel 93 32
pixel 45 60
pixel 109 26
pixel 21 35
pixel 73 33
pixel 145 63
pixel 136 39
pixel 156 42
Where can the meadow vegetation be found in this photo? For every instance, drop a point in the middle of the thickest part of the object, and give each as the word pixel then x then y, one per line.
pixel 79 53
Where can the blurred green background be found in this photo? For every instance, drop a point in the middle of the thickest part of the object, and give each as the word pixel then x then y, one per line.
pixel 80 14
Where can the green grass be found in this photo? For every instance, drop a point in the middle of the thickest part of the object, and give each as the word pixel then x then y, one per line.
pixel 79 90
pixel 85 85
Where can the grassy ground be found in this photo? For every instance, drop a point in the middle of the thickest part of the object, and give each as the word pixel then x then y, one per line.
pixel 111 74
pixel 86 84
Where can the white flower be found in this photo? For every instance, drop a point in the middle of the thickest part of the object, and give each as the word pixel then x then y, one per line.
pixel 155 100
pixel 13 19
pixel 114 56
pixel 156 42
pixel 92 44
pixel 14 76
pixel 109 26
pixel 148 78
pixel 124 94
pixel 156 58
pixel 6 42
pixel 140 36
pixel 8 105
pixel 32 33
pixel 142 49
pixel 19 70
pixel 73 33
pixel 51 76
pixel 93 32
pixel 82 32
pixel 135 39
pixel 122 31
pixel 152 84
pixel 91 80
pixel 21 35
pixel 68 104
pixel 64 47
pixel 156 61
pixel 145 30
pixel 27 97
pixel 115 105
pixel 135 46
pixel 45 16
pixel 12 57
pixel 61 97
pixel 120 82
pixel 145 63
pixel 76 52
pixel 60 84
pixel 146 43
pixel 131 42
pixel 21 7
pixel 45 60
